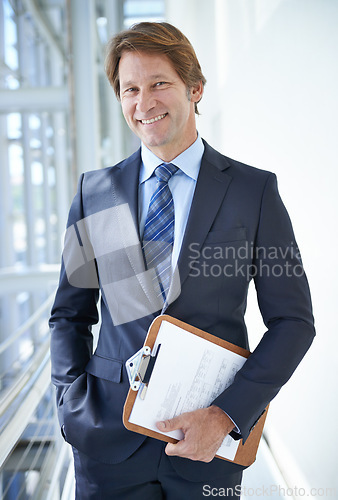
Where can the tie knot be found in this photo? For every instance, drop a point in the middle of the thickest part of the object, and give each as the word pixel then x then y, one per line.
pixel 165 171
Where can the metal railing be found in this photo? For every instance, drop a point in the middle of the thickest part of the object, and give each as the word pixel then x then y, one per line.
pixel 27 324
pixel 34 459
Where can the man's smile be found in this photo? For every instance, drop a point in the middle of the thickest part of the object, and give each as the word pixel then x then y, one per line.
pixel 153 120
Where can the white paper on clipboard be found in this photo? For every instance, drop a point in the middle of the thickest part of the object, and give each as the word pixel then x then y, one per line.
pixel 189 373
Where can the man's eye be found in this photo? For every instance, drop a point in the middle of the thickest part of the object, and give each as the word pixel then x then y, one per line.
pixel 158 84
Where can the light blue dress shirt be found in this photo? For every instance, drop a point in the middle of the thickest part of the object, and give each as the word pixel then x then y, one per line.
pixel 182 186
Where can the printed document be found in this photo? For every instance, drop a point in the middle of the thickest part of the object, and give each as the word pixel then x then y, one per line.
pixel 189 373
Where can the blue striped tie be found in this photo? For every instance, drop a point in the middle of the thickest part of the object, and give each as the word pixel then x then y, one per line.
pixel 158 237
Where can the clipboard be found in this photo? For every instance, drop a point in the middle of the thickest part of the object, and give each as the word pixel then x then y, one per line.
pixel 140 368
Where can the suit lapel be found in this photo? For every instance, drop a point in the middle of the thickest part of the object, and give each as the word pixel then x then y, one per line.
pixel 125 182
pixel 212 184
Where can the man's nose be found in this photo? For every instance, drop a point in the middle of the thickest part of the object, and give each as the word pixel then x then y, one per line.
pixel 145 101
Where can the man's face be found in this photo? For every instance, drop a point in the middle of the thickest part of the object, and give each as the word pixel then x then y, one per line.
pixel 156 103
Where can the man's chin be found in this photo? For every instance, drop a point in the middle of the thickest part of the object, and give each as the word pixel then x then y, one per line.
pixel 153 142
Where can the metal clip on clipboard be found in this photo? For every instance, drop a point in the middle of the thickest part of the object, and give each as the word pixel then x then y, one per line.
pixel 139 369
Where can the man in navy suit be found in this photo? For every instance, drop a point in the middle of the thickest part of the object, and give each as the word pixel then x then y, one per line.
pixel 230 227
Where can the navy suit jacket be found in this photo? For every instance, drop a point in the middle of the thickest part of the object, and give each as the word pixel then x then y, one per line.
pixel 238 230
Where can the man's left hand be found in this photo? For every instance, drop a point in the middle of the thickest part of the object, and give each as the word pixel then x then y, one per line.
pixel 204 431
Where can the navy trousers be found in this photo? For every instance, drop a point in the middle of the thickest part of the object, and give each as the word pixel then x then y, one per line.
pixel 147 475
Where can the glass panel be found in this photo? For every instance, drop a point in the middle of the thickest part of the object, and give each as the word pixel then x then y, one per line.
pixel 139 10
pixel 10 52
pixel 16 171
pixel 134 8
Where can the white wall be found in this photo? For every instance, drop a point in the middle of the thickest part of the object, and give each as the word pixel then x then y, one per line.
pixel 272 101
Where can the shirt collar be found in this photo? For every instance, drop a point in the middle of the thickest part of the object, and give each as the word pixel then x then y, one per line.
pixel 188 162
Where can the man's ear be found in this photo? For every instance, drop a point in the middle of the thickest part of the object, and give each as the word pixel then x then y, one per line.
pixel 196 92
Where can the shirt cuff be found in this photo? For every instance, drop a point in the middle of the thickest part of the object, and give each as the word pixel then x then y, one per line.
pixel 235 433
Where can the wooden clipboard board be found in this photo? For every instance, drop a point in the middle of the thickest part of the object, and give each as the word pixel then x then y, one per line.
pixel 246 453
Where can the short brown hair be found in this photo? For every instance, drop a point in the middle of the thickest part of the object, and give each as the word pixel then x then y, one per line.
pixel 160 38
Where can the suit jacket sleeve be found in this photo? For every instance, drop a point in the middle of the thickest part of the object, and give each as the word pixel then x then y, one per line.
pixel 74 310
pixel 285 304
